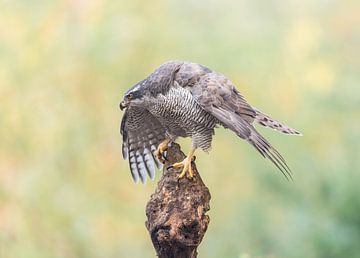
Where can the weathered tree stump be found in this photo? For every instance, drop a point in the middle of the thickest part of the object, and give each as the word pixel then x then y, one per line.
pixel 176 212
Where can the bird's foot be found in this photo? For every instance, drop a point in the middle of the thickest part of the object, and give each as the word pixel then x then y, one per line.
pixel 163 146
pixel 186 167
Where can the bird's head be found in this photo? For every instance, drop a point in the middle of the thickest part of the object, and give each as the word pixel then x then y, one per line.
pixel 134 96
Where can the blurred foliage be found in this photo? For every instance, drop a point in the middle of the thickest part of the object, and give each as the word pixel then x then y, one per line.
pixel 64 65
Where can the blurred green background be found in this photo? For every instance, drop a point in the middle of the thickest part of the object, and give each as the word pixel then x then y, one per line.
pixel 64 66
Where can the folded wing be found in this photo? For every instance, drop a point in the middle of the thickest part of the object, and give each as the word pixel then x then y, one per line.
pixel 218 96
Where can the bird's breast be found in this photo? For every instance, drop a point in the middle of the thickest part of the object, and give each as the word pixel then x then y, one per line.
pixel 180 114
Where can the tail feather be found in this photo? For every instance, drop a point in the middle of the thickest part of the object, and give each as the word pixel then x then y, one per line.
pixel 246 131
pixel 267 121
pixel 268 151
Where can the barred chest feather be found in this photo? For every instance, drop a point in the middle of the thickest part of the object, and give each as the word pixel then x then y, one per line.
pixel 178 112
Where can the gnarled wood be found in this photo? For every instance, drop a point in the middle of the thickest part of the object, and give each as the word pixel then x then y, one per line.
pixel 176 212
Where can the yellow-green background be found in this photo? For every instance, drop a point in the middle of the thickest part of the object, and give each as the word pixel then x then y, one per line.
pixel 64 65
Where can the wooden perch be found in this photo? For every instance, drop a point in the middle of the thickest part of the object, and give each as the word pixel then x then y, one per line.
pixel 176 218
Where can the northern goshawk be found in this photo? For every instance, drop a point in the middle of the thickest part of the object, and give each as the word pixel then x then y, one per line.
pixel 184 99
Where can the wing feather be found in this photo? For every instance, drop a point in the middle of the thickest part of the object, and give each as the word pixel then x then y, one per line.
pixel 217 95
pixel 141 133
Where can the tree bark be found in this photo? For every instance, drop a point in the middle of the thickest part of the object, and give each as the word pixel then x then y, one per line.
pixel 176 218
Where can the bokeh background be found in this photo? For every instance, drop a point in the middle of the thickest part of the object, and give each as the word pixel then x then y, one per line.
pixel 64 66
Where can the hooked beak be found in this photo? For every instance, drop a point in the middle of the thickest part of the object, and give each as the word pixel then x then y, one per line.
pixel 123 104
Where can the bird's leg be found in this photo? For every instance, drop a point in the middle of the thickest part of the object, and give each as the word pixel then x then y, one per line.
pixel 163 146
pixel 185 165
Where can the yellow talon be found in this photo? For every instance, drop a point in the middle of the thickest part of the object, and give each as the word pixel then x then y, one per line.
pixel 185 165
pixel 163 146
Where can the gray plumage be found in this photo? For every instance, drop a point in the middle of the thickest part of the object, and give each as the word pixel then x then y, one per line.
pixel 184 99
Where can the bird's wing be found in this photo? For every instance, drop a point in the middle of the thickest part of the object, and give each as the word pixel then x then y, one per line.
pixel 191 74
pixel 218 96
pixel 141 133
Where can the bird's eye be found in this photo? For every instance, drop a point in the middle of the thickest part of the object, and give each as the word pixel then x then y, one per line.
pixel 130 96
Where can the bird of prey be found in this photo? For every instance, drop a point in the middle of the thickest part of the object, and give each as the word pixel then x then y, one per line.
pixel 185 99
